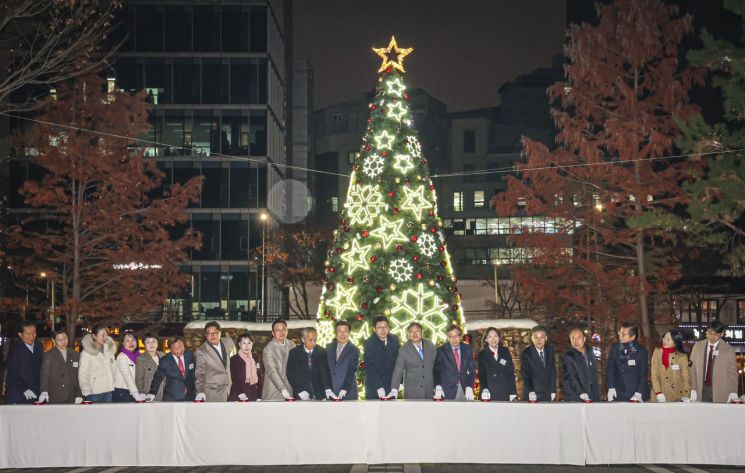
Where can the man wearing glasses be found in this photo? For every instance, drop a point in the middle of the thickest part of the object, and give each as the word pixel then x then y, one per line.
pixel 628 365
pixel 713 367
pixel 213 365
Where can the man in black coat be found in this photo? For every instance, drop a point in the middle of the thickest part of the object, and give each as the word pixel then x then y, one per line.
pixel 538 368
pixel 23 369
pixel 628 365
pixel 454 371
pixel 307 369
pixel 177 369
pixel 381 351
pixel 580 370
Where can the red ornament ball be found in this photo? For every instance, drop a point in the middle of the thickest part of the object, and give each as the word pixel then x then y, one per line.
pixel 431 187
pixel 399 247
pixel 359 317
pixel 373 106
pixel 388 70
pixel 364 233
pixel 367 147
pixel 326 313
pixel 344 221
pixel 406 96
pixel 346 229
pixel 330 286
pixel 369 119
pixel 350 280
pixel 373 258
pixel 423 163
pixel 440 277
pixel 331 269
pixel 396 210
pixel 364 306
pixel 433 229
pixel 338 251
pixel 414 238
pixel 407 181
pixel 384 153
pixel 441 248
pixel 419 275
pixel 415 258
pixel 391 194
pixel 431 213
pixel 378 290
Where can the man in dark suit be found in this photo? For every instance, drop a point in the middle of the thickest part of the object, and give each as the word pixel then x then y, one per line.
pixel 343 358
pixel 538 368
pixel 580 370
pixel 307 368
pixel 381 351
pixel 454 371
pixel 626 373
pixel 177 369
pixel 59 373
pixel 23 367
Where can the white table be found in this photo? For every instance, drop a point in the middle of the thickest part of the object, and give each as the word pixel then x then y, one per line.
pixel 266 433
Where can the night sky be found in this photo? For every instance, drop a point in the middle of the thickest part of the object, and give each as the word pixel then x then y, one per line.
pixel 464 50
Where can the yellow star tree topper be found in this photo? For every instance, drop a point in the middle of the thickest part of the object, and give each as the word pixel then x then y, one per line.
pixel 393 56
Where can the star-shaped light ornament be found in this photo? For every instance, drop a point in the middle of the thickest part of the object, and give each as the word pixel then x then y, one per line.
pixel 364 203
pixel 403 163
pixel 356 257
pixel 390 232
pixel 396 111
pixel 343 300
pixel 392 56
pixel 395 87
pixel 415 201
pixel 384 140
pixel 358 337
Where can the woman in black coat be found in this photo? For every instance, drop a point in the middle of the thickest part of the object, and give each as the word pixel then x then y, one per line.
pixel 245 374
pixel 496 370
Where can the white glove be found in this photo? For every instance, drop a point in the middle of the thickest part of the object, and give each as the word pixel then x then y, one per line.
pixel 303 395
pixel 513 397
pixel 393 394
pixel 439 393
pixel 485 395
pixel 381 393
pixel 694 396
pixel 733 398
pixel 201 397
pixel 149 397
pixel 342 393
pixel 584 397
pixel 330 394
pixel 532 397
pixel 138 397
pixel 242 397
pixel 636 397
pixel 469 393
pixel 661 397
pixel 78 400
pixel 29 394
pixel 286 394
pixel 553 396
pixel 685 399
pixel 612 394
pixel 44 397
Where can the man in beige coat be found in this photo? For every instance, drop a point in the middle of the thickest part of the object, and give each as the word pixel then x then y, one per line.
pixel 213 365
pixel 713 367
pixel 276 387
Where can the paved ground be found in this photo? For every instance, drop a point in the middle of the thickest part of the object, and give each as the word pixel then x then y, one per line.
pixel 423 468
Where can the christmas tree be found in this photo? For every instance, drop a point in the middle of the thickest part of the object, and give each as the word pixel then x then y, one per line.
pixel 389 255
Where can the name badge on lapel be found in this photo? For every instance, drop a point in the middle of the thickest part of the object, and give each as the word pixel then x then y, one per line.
pixel 632 362
pixel 715 353
pixel 502 362
pixel 191 366
pixel 74 364
pixel 675 367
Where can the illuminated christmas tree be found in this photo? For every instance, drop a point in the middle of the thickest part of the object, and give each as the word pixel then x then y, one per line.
pixel 389 255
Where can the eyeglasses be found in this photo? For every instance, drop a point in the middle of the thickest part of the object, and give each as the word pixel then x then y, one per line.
pixel 711 332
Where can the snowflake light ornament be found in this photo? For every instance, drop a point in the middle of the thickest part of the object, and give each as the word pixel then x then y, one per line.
pixel 415 149
pixel 427 244
pixel 373 165
pixel 400 270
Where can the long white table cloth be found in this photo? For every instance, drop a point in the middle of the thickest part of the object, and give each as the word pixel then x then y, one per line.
pixel 271 433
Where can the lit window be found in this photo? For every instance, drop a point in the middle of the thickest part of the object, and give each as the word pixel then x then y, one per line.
pixel 351 157
pixel 334 204
pixel 478 199
pixel 458 201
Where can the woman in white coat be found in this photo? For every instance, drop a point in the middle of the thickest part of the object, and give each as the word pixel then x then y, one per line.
pixel 96 370
pixel 125 387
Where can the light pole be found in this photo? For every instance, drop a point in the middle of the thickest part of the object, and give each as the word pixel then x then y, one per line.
pixel 264 217
pixel 497 302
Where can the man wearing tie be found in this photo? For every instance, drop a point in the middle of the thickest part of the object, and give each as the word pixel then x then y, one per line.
pixel 177 369
pixel 538 368
pixel 307 370
pixel 381 351
pixel 343 358
pixel 713 367
pixel 24 367
pixel 628 365
pixel 213 365
pixel 580 371
pixel 414 365
pixel 454 370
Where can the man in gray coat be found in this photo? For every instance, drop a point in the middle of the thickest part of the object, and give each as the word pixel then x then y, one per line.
pixel 414 366
pixel 213 365
pixel 276 387
pixel 59 373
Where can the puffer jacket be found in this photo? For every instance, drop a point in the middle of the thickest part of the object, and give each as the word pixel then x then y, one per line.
pixel 96 371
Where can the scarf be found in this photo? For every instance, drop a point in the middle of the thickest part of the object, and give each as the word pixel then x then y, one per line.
pixel 628 351
pixel 132 355
pixel 666 352
pixel 252 376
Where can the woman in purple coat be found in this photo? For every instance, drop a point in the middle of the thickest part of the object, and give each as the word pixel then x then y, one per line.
pixel 244 372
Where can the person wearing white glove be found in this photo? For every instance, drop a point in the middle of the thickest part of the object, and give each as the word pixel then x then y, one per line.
pixel 96 371
pixel 244 371
pixel 23 366
pixel 714 366
pixel 485 395
pixel 274 358
pixel 439 393
pixel 669 371
pixel 580 374
pixel 125 386
pixel 414 364
pixel 343 359
pixel 454 369
pixel 637 397
pixel 330 395
pixel 213 364
pixel 628 365
pixel 496 369
pixel 59 372
pixel 175 374
pixel 380 353
pixel 539 366
pixel 200 397
pixel 307 368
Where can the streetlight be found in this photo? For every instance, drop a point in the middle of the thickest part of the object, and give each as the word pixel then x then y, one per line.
pixel 43 275
pixel 497 302
pixel 264 217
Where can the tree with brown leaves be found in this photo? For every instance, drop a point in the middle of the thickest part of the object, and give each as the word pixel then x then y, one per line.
pixel 97 228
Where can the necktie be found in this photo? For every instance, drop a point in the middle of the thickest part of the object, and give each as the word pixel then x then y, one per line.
pixel 456 354
pixel 310 360
pixel 338 353
pixel 181 367
pixel 709 362
pixel 543 358
pixel 420 349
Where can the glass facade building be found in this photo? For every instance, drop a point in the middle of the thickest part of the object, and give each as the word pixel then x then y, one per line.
pixel 215 77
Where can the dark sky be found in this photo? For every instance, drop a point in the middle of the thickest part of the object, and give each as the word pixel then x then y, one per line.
pixel 463 49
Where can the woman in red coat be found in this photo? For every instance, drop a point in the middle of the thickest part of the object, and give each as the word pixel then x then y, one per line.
pixel 244 371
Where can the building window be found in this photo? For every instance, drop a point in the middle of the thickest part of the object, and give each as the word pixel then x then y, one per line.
pixel 708 309
pixel 334 204
pixel 351 157
pixel 458 201
pixel 469 141
pixel 478 199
